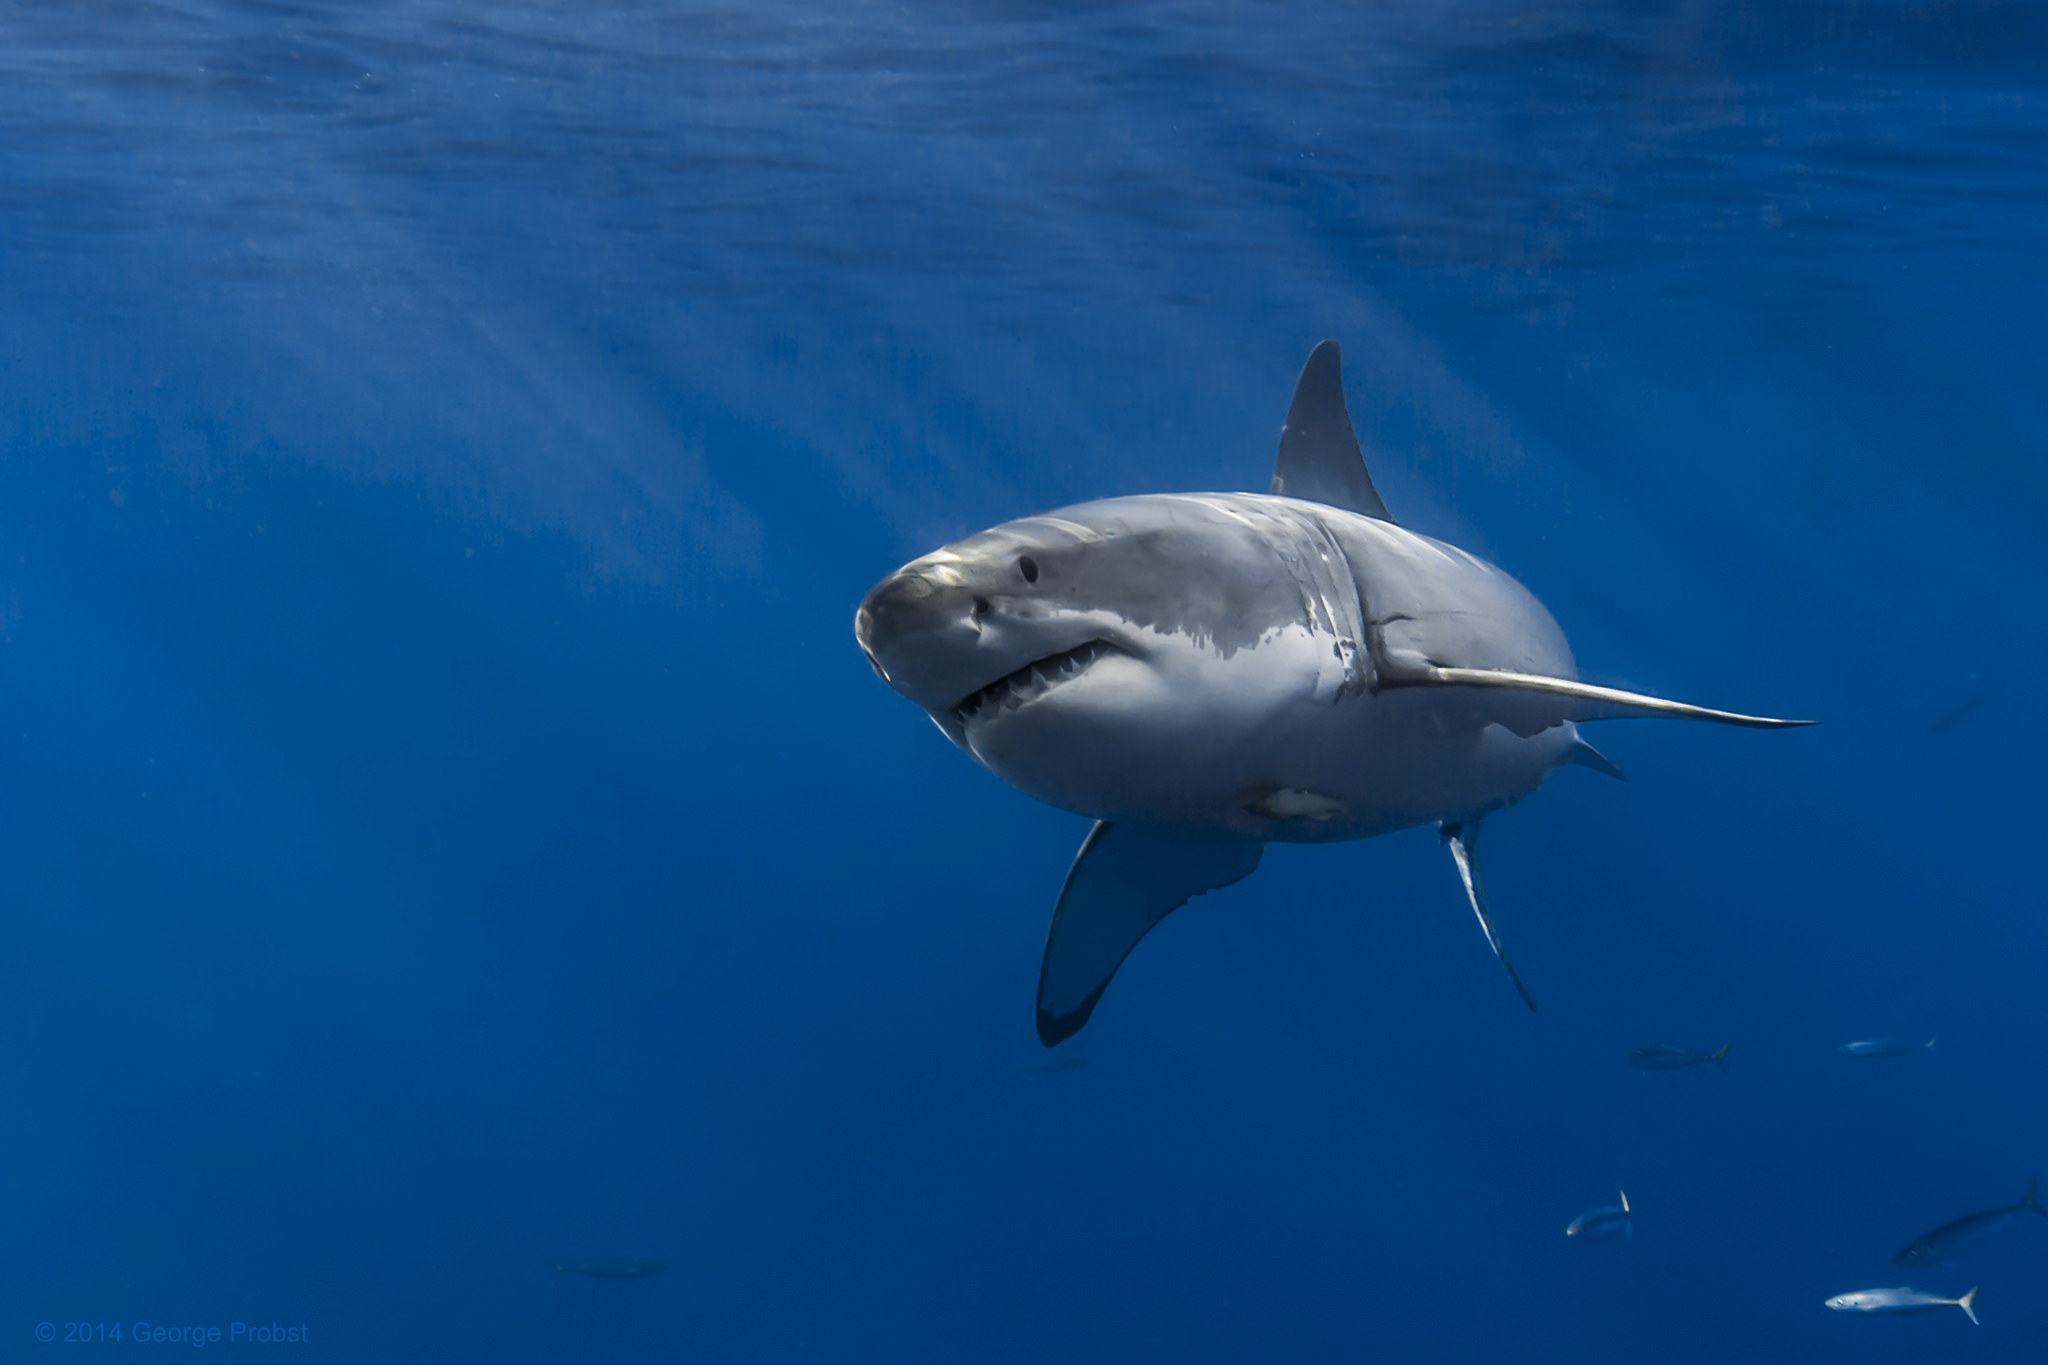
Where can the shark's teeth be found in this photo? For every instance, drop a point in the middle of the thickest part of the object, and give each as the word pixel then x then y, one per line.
pixel 1032 681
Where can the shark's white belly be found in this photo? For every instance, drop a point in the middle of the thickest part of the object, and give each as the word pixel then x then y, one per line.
pixel 1267 741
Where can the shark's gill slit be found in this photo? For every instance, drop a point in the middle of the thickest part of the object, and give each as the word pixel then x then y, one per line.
pixel 1033 680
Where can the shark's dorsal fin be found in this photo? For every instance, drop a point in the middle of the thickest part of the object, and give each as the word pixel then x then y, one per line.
pixel 1125 879
pixel 1319 456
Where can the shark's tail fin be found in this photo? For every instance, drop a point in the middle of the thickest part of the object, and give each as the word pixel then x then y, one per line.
pixel 1720 1058
pixel 1964 1303
pixel 1629 1230
pixel 1930 1042
pixel 2032 1198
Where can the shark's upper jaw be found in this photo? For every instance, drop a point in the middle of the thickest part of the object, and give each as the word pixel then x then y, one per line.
pixel 1026 685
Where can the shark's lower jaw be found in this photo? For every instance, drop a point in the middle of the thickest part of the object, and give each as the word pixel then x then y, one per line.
pixel 1030 682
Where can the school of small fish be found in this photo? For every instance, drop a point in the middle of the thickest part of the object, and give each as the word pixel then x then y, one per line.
pixel 1943 1246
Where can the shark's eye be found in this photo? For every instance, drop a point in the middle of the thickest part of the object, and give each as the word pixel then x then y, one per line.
pixel 981 606
pixel 1028 566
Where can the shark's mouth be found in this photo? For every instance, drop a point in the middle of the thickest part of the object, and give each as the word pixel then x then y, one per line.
pixel 1031 682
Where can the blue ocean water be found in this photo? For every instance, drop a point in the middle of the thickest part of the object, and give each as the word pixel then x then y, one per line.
pixel 449 830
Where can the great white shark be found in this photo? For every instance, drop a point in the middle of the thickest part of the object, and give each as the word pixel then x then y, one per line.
pixel 1206 673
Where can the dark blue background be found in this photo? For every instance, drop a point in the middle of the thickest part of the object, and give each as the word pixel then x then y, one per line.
pixel 446 825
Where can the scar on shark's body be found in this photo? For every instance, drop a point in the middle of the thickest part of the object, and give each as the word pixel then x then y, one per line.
pixel 1206 673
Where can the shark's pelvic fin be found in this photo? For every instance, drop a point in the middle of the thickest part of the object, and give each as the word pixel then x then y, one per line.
pixel 1586 756
pixel 1579 701
pixel 1463 840
pixel 1126 878
pixel 1319 456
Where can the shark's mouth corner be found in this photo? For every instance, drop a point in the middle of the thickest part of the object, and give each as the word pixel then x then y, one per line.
pixel 1030 682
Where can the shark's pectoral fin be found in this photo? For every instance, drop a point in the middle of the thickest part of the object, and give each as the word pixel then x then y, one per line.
pixel 1565 699
pixel 1463 840
pixel 1126 878
pixel 1319 458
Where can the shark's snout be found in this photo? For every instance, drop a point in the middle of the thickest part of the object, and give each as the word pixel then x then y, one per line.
pixel 919 628
pixel 901 604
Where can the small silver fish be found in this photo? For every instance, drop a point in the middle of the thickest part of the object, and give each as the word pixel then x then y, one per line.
pixel 1884 1047
pixel 1900 1300
pixel 1956 715
pixel 1597 1225
pixel 613 1270
pixel 1952 1239
pixel 1676 1058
